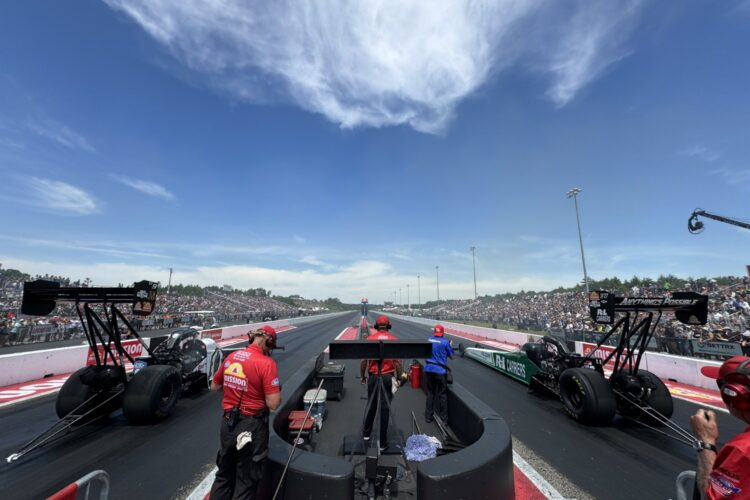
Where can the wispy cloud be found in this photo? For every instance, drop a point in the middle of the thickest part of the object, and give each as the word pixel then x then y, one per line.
pixel 702 153
pixel 734 177
pixel 62 134
pixel 10 143
pixel 146 187
pixel 377 64
pixel 58 197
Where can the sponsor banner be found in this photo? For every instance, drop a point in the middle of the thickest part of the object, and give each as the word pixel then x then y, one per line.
pixel 717 348
pixel 603 352
pixel 515 365
pixel 132 347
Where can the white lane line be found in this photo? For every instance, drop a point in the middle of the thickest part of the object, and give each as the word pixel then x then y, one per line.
pixel 536 479
pixel 204 488
pixel 338 337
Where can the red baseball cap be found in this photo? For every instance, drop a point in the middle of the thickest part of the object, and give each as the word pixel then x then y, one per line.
pixel 268 330
pixel 727 367
pixel 439 330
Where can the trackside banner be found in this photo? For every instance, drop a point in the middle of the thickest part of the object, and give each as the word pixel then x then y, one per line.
pixel 717 348
pixel 132 347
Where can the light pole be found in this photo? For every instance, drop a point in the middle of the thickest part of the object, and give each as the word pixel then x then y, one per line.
pixel 408 298
pixel 419 292
pixel 169 285
pixel 437 275
pixel 400 300
pixel 573 193
pixel 474 264
pixel 394 298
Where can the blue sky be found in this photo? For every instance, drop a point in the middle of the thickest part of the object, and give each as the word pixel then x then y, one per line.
pixel 340 150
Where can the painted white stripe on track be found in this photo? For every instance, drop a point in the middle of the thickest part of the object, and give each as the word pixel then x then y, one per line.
pixel 536 479
pixel 204 488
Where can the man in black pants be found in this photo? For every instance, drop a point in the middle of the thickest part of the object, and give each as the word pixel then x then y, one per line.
pixel 390 368
pixel 436 371
pixel 250 382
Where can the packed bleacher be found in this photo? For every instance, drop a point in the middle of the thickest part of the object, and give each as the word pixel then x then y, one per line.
pixel 566 313
pixel 207 309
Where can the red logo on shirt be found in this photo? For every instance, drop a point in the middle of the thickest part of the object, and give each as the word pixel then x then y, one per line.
pixel 724 485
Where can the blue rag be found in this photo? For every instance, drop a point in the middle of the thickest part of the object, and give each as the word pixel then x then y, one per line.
pixel 420 447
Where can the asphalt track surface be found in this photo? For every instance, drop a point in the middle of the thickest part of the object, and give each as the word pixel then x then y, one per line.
pixel 156 461
pixel 166 460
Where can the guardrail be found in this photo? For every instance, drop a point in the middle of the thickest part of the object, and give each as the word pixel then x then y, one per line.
pixel 680 369
pixel 17 368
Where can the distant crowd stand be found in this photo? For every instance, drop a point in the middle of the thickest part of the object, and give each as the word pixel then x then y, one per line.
pixel 566 316
pixel 210 309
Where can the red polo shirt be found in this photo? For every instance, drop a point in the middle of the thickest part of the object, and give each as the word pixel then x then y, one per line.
pixel 247 376
pixel 388 366
pixel 730 477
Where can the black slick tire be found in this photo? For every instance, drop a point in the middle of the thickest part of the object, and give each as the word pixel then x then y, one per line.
pixel 151 394
pixel 659 398
pixel 73 394
pixel 587 396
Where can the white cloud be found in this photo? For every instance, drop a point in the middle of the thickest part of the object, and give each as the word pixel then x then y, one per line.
pixel 702 153
pixel 146 187
pixel 62 134
pixel 386 63
pixel 734 177
pixel 58 197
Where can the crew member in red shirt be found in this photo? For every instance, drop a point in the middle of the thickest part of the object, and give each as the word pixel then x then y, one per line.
pixel 251 387
pixel 726 473
pixel 390 368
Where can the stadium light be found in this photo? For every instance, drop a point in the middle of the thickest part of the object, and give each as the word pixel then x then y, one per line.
pixel 419 292
pixel 437 275
pixel 474 264
pixel 408 298
pixel 573 193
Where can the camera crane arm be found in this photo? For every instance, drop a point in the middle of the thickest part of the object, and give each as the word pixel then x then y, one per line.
pixel 695 226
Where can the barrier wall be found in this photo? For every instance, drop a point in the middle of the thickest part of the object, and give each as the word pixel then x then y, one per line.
pixel 680 369
pixel 23 367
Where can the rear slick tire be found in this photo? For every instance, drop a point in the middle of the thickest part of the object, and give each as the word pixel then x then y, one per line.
pixel 587 396
pixel 73 394
pixel 660 399
pixel 151 394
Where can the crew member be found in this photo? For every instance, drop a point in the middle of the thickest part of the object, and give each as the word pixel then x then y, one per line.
pixel 725 473
pixel 251 388
pixel 389 369
pixel 436 371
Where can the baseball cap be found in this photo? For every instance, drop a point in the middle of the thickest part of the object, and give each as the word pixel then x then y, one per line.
pixel 729 366
pixel 439 330
pixel 266 329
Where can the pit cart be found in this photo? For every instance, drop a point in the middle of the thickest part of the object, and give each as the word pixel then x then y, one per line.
pixel 146 395
pixel 593 387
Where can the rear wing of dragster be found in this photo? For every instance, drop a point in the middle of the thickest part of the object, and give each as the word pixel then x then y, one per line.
pixel 689 307
pixel 41 297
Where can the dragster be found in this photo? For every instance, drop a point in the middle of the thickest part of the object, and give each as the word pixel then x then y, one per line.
pixel 587 393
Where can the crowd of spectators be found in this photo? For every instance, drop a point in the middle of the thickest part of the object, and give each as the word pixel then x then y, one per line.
pixel 211 309
pixel 567 312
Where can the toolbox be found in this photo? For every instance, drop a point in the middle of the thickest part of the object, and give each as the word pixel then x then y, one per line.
pixel 332 375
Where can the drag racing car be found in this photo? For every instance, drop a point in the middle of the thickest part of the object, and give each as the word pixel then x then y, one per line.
pixel 595 386
pixel 174 364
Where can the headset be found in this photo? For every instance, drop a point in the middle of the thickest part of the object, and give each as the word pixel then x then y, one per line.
pixel 735 387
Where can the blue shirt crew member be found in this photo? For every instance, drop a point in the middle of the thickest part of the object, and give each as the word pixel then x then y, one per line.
pixel 436 372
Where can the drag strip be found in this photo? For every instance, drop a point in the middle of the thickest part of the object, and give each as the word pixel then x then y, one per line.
pixel 619 462
pixel 156 461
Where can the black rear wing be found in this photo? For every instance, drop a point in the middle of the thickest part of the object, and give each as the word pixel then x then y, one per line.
pixel 689 307
pixel 40 297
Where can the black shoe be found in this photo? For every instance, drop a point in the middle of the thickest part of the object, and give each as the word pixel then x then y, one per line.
pixel 429 420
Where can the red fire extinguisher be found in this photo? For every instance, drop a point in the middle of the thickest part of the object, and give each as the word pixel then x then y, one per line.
pixel 415 372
